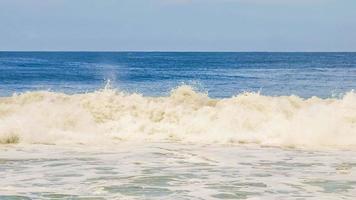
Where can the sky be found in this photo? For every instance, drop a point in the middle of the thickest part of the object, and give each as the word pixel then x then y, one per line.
pixel 178 25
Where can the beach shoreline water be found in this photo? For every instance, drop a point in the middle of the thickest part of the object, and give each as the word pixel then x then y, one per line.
pixel 154 170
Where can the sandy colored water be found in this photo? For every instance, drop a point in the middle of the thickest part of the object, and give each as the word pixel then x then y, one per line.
pixel 106 116
pixel 168 170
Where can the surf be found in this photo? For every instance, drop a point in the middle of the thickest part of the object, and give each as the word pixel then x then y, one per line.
pixel 109 115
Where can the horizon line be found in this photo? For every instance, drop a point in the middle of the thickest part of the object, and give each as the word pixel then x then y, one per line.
pixel 161 51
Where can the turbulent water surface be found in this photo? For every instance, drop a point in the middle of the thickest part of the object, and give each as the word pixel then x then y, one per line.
pixel 175 171
pixel 177 125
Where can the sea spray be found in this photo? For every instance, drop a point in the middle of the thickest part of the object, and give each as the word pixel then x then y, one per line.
pixel 108 115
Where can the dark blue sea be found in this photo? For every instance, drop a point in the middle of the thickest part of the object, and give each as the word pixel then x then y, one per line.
pixel 156 73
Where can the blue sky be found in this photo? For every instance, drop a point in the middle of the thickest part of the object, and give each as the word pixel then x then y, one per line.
pixel 178 25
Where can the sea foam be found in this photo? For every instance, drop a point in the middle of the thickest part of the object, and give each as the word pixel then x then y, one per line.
pixel 108 115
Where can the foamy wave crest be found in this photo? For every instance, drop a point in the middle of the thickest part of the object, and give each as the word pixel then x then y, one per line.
pixel 188 116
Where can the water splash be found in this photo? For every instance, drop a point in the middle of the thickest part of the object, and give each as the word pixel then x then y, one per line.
pixel 108 115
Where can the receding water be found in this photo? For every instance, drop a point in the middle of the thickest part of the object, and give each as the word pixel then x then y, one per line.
pixel 175 171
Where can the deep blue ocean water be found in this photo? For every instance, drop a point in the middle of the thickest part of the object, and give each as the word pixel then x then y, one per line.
pixel 156 73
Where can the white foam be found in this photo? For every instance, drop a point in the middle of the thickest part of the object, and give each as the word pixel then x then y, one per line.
pixel 108 115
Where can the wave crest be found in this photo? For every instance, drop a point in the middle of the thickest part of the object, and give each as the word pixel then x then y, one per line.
pixel 109 115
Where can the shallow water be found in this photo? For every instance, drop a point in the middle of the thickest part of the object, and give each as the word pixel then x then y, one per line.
pixel 174 171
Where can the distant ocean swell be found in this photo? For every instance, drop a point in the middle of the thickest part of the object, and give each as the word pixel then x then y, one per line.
pixel 108 116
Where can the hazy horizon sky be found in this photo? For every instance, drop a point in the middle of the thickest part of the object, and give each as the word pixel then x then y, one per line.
pixel 178 25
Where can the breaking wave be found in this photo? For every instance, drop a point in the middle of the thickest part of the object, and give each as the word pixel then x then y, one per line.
pixel 109 115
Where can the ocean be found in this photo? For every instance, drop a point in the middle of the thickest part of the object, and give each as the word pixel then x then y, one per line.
pixel 156 74
pixel 177 125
